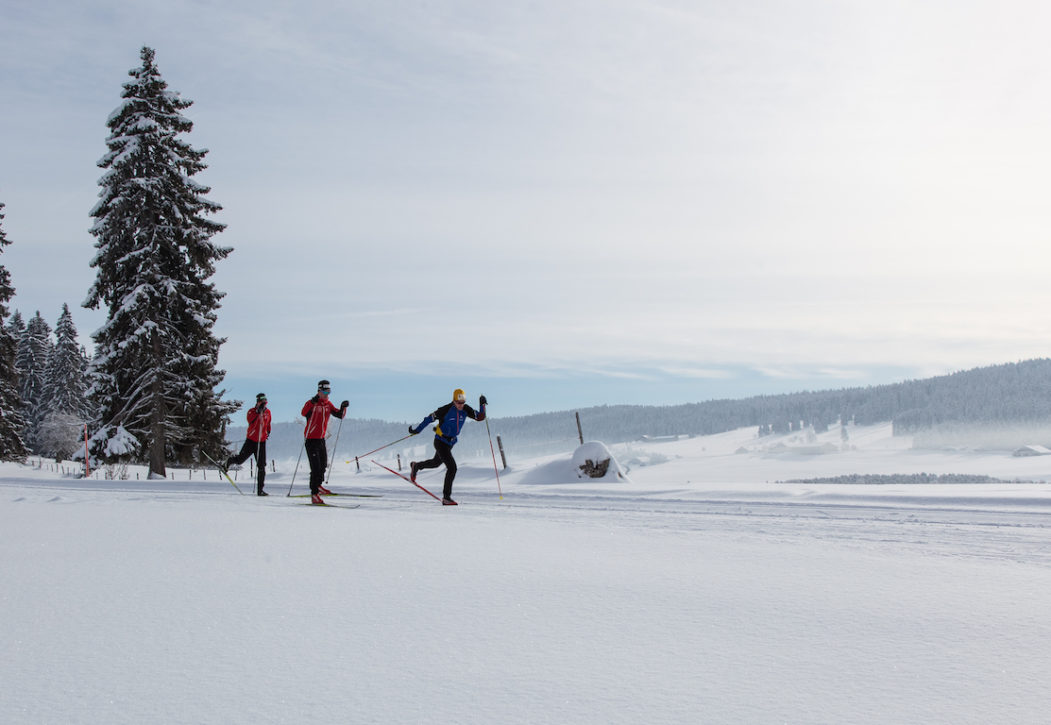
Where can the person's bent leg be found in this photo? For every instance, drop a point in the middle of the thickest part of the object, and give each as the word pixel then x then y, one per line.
pixel 445 452
pixel 246 452
pixel 433 462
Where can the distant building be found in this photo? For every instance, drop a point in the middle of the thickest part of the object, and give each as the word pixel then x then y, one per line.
pixel 1032 451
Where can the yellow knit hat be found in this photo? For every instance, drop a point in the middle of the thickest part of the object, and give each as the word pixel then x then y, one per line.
pixel 459 396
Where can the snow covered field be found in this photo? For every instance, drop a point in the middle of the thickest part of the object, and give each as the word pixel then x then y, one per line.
pixel 697 590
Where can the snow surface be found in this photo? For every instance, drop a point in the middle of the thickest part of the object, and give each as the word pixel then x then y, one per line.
pixel 698 590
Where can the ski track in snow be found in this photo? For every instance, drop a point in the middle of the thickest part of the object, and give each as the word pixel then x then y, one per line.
pixel 643 601
pixel 979 527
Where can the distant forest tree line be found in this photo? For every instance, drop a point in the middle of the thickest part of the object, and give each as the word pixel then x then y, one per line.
pixel 1001 394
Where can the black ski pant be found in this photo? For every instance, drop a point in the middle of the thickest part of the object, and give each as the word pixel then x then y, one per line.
pixel 443 453
pixel 317 456
pixel 249 449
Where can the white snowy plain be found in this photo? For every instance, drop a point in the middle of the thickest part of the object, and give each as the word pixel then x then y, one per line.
pixel 697 590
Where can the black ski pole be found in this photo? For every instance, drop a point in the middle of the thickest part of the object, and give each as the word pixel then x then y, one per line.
pixel 335 443
pixel 386 445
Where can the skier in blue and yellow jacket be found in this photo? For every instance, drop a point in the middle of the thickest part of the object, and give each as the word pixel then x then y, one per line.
pixel 450 419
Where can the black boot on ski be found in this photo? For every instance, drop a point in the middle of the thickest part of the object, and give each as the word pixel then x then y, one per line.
pixel 413 467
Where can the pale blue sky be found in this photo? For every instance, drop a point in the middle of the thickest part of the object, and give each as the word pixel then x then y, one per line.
pixel 567 203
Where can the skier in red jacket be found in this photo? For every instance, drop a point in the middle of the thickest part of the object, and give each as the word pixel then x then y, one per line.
pixel 317 411
pixel 255 442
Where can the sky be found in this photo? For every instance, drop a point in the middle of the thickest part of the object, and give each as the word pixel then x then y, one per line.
pixel 565 204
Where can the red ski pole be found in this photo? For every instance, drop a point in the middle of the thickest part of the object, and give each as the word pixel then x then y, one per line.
pixel 399 475
pixel 497 472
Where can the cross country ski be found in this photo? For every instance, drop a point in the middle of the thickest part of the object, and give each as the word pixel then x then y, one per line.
pixel 222 470
pixel 324 504
pixel 352 495
pixel 402 475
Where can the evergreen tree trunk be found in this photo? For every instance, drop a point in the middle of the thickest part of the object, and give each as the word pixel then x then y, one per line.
pixel 158 414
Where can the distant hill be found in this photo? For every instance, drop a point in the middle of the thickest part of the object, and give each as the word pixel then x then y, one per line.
pixel 1000 395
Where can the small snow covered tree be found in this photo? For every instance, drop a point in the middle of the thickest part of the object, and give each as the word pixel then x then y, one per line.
pixel 154 375
pixel 32 357
pixel 65 400
pixel 12 424
pixel 65 387
pixel 16 326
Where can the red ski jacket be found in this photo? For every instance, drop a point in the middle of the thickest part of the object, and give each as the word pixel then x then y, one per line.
pixel 317 416
pixel 258 425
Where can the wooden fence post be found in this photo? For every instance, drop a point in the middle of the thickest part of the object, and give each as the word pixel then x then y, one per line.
pixel 500 445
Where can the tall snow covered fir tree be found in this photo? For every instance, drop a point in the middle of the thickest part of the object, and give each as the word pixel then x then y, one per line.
pixel 154 377
pixel 12 448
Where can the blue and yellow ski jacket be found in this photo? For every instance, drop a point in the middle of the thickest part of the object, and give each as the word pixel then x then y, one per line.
pixel 450 421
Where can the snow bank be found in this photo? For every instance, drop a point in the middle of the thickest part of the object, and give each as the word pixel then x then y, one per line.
pixel 591 458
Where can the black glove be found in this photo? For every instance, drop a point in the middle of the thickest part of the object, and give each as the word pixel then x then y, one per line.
pixel 482 401
pixel 344 405
pixel 314 400
pixel 411 431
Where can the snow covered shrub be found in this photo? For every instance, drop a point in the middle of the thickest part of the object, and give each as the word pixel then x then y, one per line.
pixel 593 460
pixel 59 436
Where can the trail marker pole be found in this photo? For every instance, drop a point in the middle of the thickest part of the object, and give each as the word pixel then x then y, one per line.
pixel 500 445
